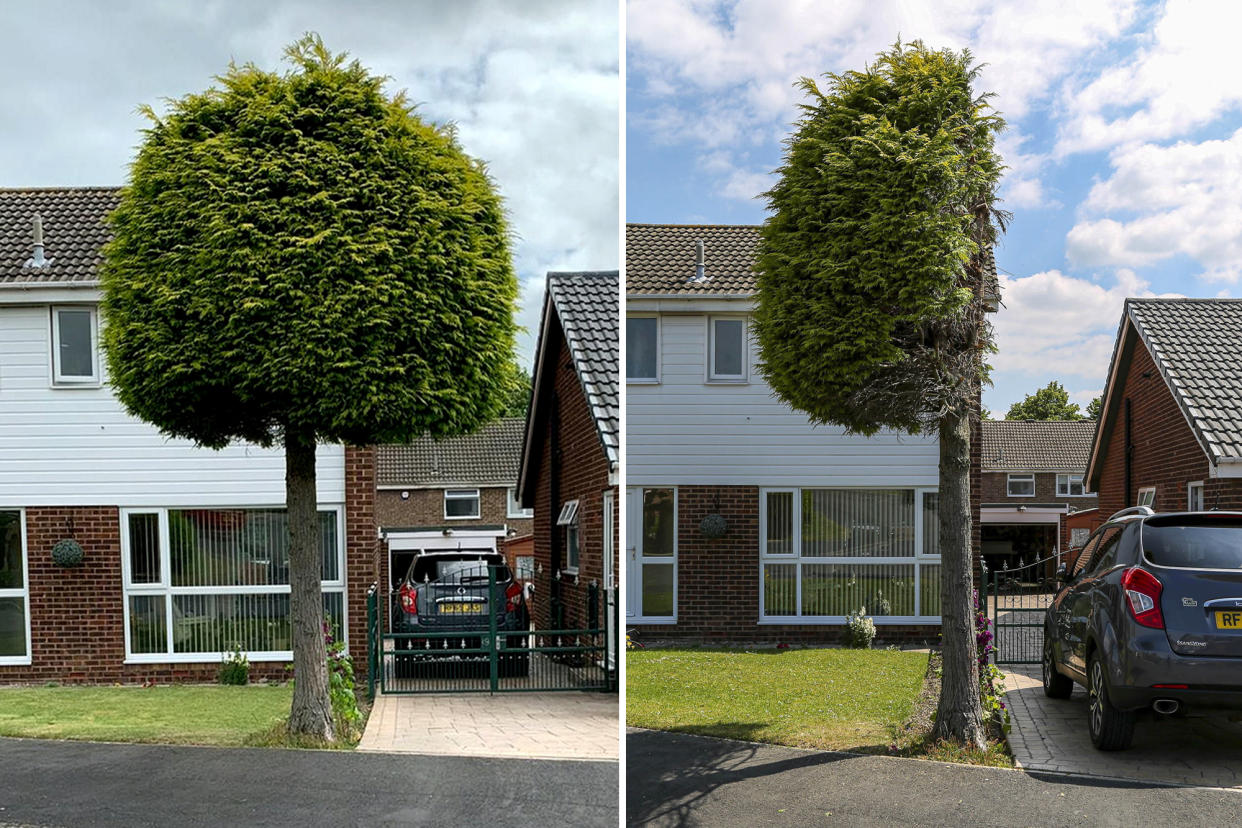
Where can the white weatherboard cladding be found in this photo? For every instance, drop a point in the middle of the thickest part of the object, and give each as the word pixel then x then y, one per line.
pixel 78 447
pixel 687 431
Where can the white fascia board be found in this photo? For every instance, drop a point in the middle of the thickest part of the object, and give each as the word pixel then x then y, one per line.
pixel 44 294
pixel 723 303
pixel 1226 467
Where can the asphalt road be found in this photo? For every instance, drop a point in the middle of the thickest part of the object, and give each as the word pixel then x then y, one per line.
pixel 681 780
pixel 48 783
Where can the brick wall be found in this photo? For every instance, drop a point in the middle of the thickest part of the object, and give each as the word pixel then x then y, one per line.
pixel 582 472
pixel 995 490
pixel 362 546
pixel 425 507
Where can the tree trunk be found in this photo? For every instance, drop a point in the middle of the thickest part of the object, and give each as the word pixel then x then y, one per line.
pixel 311 713
pixel 959 715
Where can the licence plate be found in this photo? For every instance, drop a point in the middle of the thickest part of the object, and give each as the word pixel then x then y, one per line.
pixel 457 609
pixel 1229 620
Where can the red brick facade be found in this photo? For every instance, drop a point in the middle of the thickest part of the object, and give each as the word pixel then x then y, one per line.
pixel 1164 452
pixel 996 490
pixel 572 465
pixel 425 507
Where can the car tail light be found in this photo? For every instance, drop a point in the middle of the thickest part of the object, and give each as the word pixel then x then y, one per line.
pixel 1172 686
pixel 409 599
pixel 1143 595
pixel 513 595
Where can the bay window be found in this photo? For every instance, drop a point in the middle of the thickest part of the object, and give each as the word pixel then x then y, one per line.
pixel 825 553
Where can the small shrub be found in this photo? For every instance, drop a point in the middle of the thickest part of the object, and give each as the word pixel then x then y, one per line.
pixel 341 688
pixel 859 630
pixel 235 669
pixel 881 605
pixel 991 679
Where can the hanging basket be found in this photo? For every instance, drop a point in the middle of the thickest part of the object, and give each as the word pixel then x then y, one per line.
pixel 67 553
pixel 713 526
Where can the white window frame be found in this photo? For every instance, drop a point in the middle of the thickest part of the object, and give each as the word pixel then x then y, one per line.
pixel 568 518
pixel 165 588
pixel 60 380
pixel 917 561
pixel 634 539
pixel 1146 497
pixel 1191 488
pixel 572 531
pixel 793 553
pixel 712 375
pixel 1069 481
pixel 511 502
pixel 659 349
pixel 1022 477
pixel 463 494
pixel 23 592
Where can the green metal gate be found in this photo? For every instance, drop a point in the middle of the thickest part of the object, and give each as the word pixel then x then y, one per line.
pixel 1020 597
pixel 493 660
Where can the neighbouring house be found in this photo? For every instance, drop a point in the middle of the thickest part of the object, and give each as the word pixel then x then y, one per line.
pixel 1032 481
pixel 184 548
pixel 746 522
pixel 571 451
pixel 1170 428
pixel 459 493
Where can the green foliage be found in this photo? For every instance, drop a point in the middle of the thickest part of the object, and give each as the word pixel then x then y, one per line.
pixel 859 630
pixel 517 398
pixel 1093 408
pixel 67 553
pixel 1048 403
pixel 300 252
pixel 235 668
pixel 870 267
pixel 345 710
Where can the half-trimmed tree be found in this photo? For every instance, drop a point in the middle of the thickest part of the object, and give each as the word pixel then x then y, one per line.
pixel 872 275
pixel 1048 403
pixel 299 258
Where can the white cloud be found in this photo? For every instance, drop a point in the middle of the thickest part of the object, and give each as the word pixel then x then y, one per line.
pixel 1184 78
pixel 746 186
pixel 1058 324
pixel 1164 201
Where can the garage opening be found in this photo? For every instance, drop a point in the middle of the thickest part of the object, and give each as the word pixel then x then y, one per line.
pixel 1014 546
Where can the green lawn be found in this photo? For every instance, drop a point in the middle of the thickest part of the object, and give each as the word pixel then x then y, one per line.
pixel 830 699
pixel 192 715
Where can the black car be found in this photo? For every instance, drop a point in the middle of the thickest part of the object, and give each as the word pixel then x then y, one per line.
pixel 1150 620
pixel 451 592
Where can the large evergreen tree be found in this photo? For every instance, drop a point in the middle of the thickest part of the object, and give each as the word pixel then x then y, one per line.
pixel 1048 403
pixel 299 258
pixel 872 278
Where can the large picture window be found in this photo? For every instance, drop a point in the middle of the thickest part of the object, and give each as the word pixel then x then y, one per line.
pixel 825 553
pixel 200 582
pixel 14 597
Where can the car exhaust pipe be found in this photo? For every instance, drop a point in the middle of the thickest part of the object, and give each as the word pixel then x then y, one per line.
pixel 1165 706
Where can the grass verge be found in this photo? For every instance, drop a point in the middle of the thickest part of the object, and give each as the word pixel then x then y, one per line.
pixel 178 714
pixel 818 698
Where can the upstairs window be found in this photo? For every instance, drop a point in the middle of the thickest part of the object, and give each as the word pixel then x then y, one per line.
pixel 461 504
pixel 1147 497
pixel 74 338
pixel 1020 485
pixel 1070 485
pixel 569 519
pixel 642 348
pixel 727 349
pixel 514 509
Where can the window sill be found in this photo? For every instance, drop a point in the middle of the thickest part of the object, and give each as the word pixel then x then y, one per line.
pixel 727 381
pixel 10 661
pixel 76 386
pixel 671 619
pixel 637 381
pixel 520 517
pixel 461 517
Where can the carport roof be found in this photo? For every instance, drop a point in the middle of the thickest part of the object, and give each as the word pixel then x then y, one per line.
pixel 488 457
pixel 1036 445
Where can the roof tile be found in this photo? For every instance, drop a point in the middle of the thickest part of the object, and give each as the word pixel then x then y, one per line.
pixel 487 457
pixel 1036 445
pixel 74 232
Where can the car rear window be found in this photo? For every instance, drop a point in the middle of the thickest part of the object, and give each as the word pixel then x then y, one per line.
pixel 1194 542
pixel 458 570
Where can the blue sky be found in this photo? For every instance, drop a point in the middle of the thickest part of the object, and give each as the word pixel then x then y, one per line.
pixel 1124 143
pixel 533 87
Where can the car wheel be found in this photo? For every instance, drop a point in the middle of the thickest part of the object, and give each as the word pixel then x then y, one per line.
pixel 1056 686
pixel 1110 728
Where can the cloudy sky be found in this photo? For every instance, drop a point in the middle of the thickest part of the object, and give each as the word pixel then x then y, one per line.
pixel 1124 143
pixel 533 87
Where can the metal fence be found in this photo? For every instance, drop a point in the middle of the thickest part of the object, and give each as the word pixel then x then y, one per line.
pixel 1019 598
pixel 494 660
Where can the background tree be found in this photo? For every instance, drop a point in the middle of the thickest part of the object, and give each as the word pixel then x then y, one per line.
pixel 518 399
pixel 299 258
pixel 871 278
pixel 1048 403
pixel 1093 408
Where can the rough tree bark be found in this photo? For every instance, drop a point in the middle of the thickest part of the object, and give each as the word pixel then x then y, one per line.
pixel 959 715
pixel 311 713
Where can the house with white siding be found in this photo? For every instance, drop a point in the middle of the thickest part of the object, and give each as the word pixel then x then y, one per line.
pixel 745 520
pixel 184 548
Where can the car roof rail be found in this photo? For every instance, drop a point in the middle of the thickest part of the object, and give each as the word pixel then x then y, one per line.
pixel 1145 511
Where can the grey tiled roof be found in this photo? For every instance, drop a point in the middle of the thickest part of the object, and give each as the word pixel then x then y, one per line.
pixel 74 232
pixel 1036 445
pixel 488 457
pixel 660 258
pixel 1197 346
pixel 586 304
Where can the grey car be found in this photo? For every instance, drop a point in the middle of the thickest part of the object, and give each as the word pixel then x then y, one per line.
pixel 1150 620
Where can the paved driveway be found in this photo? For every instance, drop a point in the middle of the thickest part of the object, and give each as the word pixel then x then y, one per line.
pixel 1051 735
pixel 509 725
